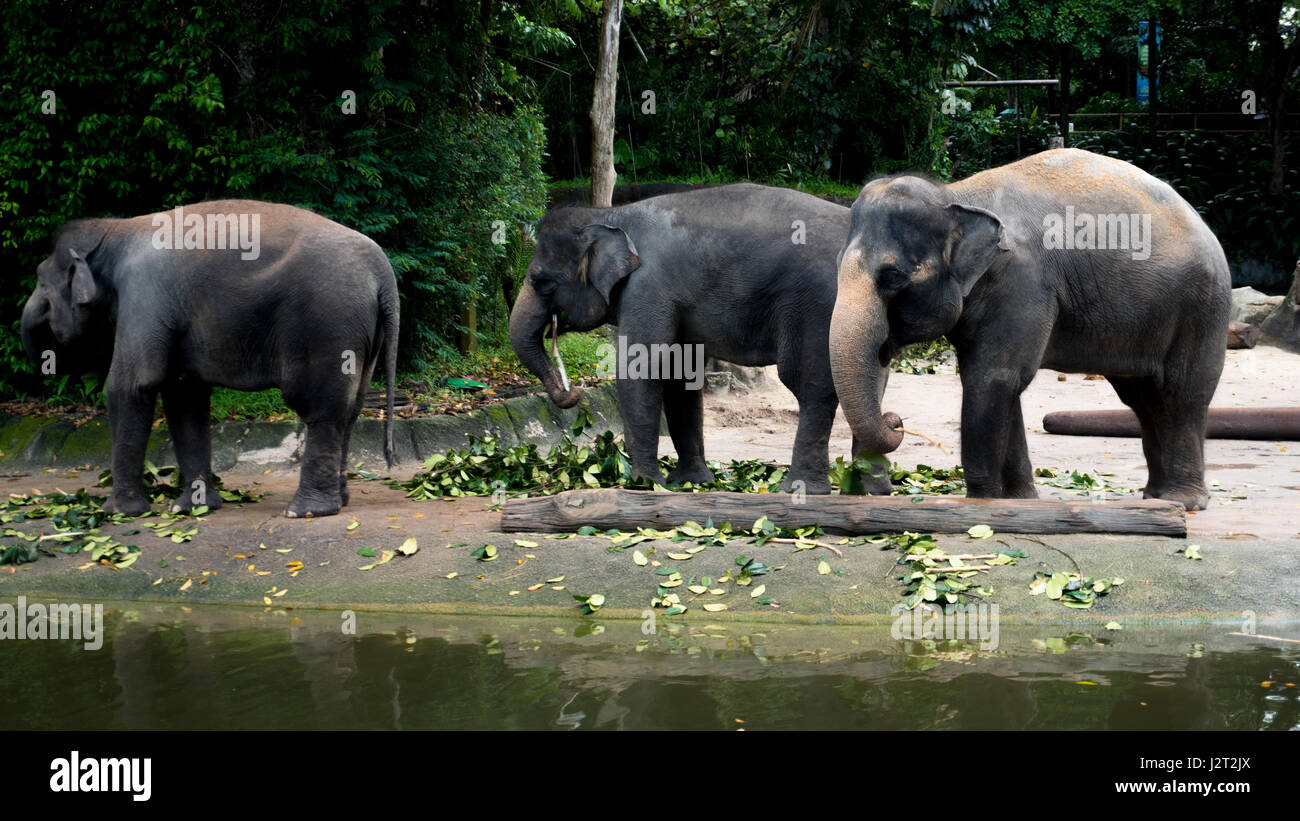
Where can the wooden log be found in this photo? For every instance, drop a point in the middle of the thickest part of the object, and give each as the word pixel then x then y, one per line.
pixel 1242 335
pixel 628 509
pixel 1269 424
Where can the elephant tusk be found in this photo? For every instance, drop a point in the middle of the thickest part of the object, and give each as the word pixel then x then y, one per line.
pixel 555 349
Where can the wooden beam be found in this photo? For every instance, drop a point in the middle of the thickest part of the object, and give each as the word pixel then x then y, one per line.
pixel 1268 424
pixel 607 508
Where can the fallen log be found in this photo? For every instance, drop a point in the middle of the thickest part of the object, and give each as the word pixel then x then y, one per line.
pixel 1271 424
pixel 628 509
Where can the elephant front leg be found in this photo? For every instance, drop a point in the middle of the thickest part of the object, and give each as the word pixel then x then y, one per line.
pixel 684 410
pixel 130 417
pixel 318 485
pixel 187 406
pixel 1017 472
pixel 641 403
pixel 810 460
pixel 988 409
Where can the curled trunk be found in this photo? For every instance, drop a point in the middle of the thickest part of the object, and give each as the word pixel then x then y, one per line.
pixel 859 336
pixel 528 322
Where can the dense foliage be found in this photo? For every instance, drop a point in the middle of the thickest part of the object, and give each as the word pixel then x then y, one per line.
pixel 156 104
pixel 462 110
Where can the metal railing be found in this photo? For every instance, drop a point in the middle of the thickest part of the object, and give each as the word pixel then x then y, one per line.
pixel 1218 122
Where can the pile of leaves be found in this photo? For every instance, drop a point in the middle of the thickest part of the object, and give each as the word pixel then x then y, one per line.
pixel 1084 482
pixel 76 518
pixel 162 484
pixel 488 467
pixel 675 592
pixel 943 578
pixel 924 357
pixel 1071 589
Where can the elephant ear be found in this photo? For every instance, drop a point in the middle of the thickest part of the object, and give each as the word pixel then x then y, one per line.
pixel 978 239
pixel 610 257
pixel 81 280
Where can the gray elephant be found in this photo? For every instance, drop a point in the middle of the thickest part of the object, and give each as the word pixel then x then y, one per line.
pixel 241 294
pixel 743 273
pixel 1064 260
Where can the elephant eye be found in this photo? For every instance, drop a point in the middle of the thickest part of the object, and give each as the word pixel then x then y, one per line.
pixel 543 283
pixel 891 279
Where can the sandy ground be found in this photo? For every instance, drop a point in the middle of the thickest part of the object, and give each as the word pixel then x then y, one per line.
pixel 1255 486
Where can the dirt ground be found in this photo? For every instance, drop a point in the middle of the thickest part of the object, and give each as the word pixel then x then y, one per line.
pixel 250 555
pixel 1254 486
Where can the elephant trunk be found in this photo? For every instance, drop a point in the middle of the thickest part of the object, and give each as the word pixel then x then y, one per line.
pixel 529 320
pixel 859 336
pixel 35 331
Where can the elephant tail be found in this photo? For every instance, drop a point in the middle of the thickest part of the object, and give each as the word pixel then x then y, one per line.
pixel 389 307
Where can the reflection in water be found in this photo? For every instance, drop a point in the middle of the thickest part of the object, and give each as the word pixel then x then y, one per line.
pixel 172 670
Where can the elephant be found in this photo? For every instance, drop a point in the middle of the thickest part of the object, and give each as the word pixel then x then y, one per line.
pixel 234 293
pixel 742 273
pixel 1065 260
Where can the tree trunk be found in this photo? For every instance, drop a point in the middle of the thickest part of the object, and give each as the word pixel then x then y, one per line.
pixel 602 107
pixel 1283 68
pixel 628 509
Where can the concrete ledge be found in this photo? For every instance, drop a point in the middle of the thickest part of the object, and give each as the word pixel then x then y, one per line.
pixel 30 442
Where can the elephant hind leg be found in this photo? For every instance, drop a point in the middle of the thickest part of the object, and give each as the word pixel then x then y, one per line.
pixel 1173 439
pixel 188 407
pixel 318 485
pixel 349 423
pixel 327 406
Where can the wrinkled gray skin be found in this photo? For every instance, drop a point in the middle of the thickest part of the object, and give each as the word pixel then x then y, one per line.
pixel 968 260
pixel 178 322
pixel 715 266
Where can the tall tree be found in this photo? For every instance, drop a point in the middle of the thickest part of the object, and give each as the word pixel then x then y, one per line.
pixel 602 106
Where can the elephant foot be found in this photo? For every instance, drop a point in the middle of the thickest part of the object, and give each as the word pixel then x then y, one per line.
pixel 127 505
pixel 695 474
pixel 1191 498
pixel 344 497
pixel 307 506
pixel 813 486
pixel 655 477
pixel 185 503
pixel 1021 492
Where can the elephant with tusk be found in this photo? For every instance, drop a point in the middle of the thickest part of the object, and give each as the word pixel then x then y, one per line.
pixel 743 273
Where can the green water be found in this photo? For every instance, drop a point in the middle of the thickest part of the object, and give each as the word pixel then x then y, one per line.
pixel 235 668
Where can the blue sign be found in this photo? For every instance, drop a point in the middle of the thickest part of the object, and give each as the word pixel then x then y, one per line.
pixel 1144 78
